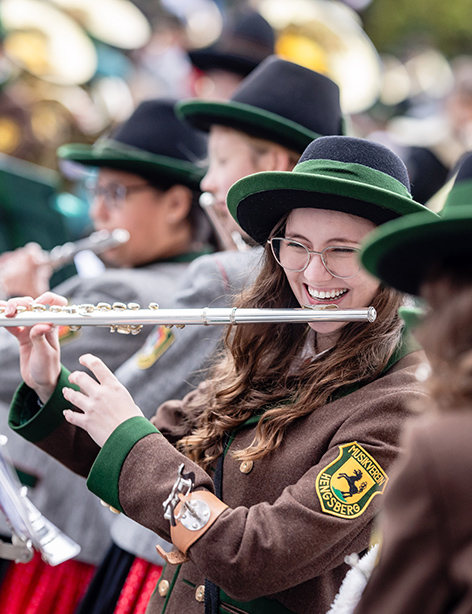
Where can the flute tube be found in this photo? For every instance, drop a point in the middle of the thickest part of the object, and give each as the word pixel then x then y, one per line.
pixel 98 242
pixel 87 315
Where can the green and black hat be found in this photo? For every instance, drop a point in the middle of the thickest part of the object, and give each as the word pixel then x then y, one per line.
pixel 402 252
pixel 339 173
pixel 279 101
pixel 152 143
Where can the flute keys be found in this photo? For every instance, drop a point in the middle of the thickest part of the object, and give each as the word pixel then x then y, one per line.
pixel 103 307
pixel 86 308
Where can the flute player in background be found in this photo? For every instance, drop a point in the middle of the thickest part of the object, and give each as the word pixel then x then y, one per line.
pixel 288 444
pixel 149 171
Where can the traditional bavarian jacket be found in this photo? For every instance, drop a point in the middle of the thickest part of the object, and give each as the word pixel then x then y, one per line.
pixel 425 562
pixel 292 516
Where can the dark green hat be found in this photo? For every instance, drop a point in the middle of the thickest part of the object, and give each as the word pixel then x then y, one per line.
pixel 339 173
pixel 152 143
pixel 279 101
pixel 401 253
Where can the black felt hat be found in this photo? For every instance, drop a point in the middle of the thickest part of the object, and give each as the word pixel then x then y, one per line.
pixel 279 101
pixel 153 142
pixel 246 40
pixel 402 253
pixel 339 173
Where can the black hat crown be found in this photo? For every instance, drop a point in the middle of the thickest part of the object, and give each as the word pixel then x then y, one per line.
pixel 246 40
pixel 352 150
pixel 154 127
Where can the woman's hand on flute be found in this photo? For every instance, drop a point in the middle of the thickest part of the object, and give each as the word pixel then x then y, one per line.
pixel 105 403
pixel 40 354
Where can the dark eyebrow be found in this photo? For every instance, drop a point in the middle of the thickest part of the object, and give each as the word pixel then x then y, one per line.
pixel 332 241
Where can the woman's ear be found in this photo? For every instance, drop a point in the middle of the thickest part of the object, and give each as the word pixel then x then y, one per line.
pixel 177 201
pixel 277 159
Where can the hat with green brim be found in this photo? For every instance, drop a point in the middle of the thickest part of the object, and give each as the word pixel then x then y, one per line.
pixel 279 101
pixel 338 173
pixel 152 143
pixel 403 252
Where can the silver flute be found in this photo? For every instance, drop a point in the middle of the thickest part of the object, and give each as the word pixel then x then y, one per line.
pixel 97 242
pixel 131 318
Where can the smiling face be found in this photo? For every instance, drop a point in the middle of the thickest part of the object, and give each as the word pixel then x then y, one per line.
pixel 317 229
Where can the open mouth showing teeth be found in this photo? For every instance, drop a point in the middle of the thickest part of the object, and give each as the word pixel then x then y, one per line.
pixel 329 294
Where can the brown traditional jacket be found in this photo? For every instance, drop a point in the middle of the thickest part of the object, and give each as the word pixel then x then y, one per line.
pixel 425 562
pixel 292 517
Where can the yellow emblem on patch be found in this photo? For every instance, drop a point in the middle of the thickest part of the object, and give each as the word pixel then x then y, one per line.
pixel 159 340
pixel 347 485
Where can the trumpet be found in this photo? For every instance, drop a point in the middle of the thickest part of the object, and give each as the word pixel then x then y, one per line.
pixel 231 241
pixel 131 318
pixel 97 242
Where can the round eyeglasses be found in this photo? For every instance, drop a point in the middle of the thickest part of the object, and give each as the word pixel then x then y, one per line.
pixel 113 194
pixel 339 261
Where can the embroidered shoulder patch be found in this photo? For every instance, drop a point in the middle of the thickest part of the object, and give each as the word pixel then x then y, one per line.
pixel 157 342
pixel 347 485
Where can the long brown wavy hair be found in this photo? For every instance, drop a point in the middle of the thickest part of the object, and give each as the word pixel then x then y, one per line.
pixel 256 372
pixel 446 334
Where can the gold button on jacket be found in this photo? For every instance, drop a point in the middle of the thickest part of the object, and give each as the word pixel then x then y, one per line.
pixel 163 588
pixel 246 466
pixel 200 593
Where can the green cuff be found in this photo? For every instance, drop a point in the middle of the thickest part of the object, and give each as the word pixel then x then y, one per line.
pixel 32 421
pixel 104 476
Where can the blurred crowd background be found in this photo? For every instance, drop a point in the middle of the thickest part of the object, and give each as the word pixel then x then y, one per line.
pixel 71 70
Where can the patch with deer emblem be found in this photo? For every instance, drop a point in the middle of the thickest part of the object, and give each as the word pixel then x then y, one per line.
pixel 347 485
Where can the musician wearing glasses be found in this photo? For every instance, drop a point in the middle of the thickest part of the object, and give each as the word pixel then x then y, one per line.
pixel 259 129
pixel 270 473
pixel 147 184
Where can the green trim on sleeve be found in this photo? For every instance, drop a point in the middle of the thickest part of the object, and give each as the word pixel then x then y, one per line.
pixel 104 476
pixel 33 422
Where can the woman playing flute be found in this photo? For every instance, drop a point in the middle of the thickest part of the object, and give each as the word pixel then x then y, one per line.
pixel 270 472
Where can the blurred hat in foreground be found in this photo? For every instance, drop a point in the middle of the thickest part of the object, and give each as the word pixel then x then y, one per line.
pixel 402 253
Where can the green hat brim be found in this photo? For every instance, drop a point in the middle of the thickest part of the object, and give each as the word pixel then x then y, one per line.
pixel 246 118
pixel 401 252
pixel 259 201
pixel 112 154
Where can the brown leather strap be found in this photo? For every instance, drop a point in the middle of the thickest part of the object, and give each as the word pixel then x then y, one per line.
pixel 182 537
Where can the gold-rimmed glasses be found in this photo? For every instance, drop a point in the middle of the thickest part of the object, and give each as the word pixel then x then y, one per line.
pixel 339 260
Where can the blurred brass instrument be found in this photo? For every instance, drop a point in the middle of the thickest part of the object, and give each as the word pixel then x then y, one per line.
pixel 231 241
pixel 327 36
pixel 131 318
pixel 97 242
